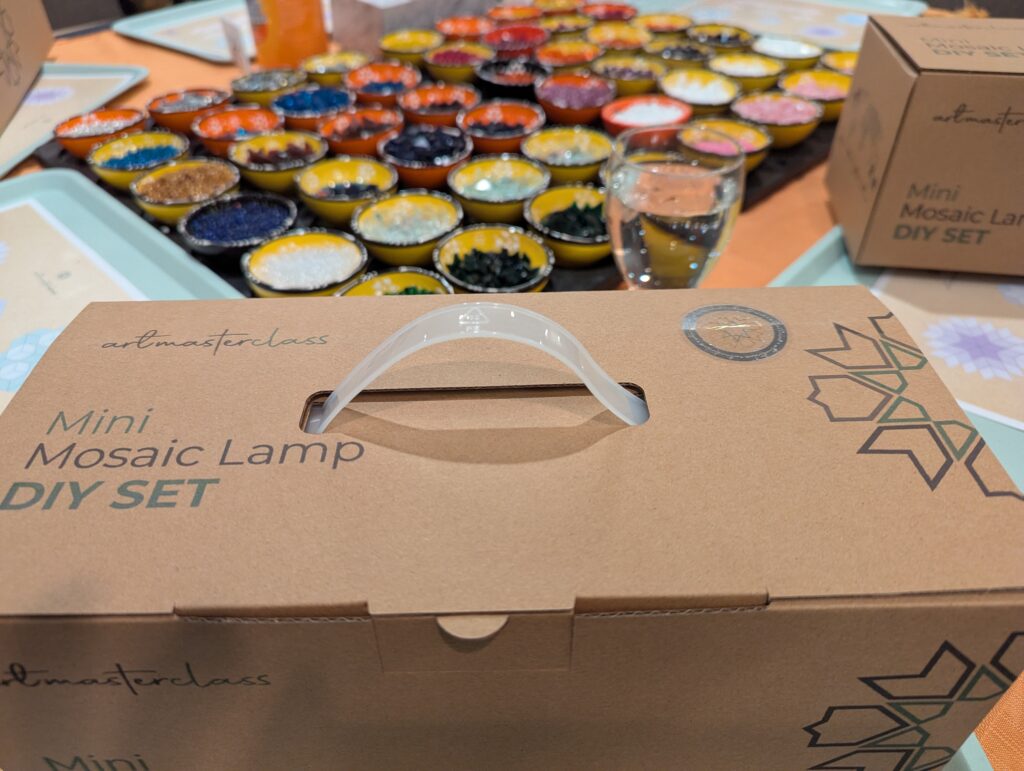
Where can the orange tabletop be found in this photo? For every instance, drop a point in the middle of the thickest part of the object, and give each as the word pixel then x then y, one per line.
pixel 767 238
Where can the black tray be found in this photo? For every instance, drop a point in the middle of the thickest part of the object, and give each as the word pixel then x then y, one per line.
pixel 778 169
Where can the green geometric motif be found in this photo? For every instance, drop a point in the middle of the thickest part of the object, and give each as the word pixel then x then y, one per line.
pixel 961 448
pixel 908 412
pixel 890 381
pixel 983 686
pixel 904 359
pixel 922 711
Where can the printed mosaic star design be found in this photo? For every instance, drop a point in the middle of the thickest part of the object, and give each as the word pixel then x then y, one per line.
pixel 23 354
pixel 976 346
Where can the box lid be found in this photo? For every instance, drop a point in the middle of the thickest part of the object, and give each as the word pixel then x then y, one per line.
pixel 960 45
pixel 799 445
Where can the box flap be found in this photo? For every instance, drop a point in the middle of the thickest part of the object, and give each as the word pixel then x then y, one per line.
pixel 25 39
pixel 963 45
pixel 799 445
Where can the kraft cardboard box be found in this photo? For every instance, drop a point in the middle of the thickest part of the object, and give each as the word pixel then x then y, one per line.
pixel 364 21
pixel 25 39
pixel 920 174
pixel 807 558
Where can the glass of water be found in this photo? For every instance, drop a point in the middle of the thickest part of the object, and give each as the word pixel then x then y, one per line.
pixel 673 196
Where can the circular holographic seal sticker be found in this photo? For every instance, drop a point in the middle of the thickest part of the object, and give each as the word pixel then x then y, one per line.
pixel 735 332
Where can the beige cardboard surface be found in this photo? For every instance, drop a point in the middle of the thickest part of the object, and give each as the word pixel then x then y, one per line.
pixel 25 38
pixel 789 429
pixel 934 194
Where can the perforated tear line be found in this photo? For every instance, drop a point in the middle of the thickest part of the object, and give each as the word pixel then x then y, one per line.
pixel 679 612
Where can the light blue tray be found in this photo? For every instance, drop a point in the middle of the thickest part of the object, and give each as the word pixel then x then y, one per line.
pixel 827 264
pixel 148 26
pixel 131 75
pixel 146 258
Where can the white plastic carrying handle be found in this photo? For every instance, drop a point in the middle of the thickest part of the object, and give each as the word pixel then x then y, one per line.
pixel 482 319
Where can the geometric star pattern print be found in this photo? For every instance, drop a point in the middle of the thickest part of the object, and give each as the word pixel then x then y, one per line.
pixel 975 346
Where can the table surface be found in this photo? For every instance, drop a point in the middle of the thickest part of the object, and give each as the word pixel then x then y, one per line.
pixel 766 239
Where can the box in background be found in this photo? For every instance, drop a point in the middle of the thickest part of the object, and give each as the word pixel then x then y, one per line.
pixel 359 24
pixel 923 172
pixel 25 39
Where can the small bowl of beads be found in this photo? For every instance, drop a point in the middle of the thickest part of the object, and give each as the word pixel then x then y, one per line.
pixel 618 36
pixel 609 11
pixel 754 140
pixel 335 187
pixel 304 263
pixel 562 55
pixel 558 7
pixel 566 26
pixel 574 97
pixel 789 119
pixel 516 41
pixel 724 38
pixel 795 54
pixel 840 61
pixel 644 110
pixel 707 92
pixel 329 69
pixel 680 54
pixel 494 259
pixel 169 192
pixel 265 86
pixel 470 28
pixel 455 62
pixel 358 131
pixel 403 228
pixel 663 25
pixel 400 281
pixel 270 161
pixel 492 188
pixel 177 110
pixel 382 82
pixel 233 223
pixel 827 88
pixel 571 221
pixel 570 153
pixel 219 130
pixel 409 45
pixel 306 108
pixel 119 161
pixel 753 72
pixel 438 103
pixel 498 126
pixel 631 73
pixel 424 154
pixel 80 134
pixel 513 79
pixel 504 15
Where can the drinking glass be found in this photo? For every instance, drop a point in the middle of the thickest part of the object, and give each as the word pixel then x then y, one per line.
pixel 674 193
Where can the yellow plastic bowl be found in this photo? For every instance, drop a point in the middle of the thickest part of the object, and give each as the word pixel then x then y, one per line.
pixel 491 238
pixel 279 249
pixel 783 134
pixel 243 90
pixel 840 61
pixel 618 36
pixel 169 212
pixel 380 225
pixel 805 84
pixel 352 169
pixel 121 179
pixel 663 25
pixel 463 180
pixel 566 26
pixel 570 251
pixel 754 139
pixel 795 54
pixel 275 177
pixel 753 72
pixel 399 281
pixel 686 85
pixel 570 153
pixel 409 45
pixel 630 86
pixel 457 73
pixel 659 44
pixel 708 34
pixel 329 69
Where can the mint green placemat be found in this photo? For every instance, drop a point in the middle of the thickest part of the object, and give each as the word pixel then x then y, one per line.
pixel 192 28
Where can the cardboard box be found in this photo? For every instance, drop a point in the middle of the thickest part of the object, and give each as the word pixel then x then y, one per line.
pixel 921 172
pixel 806 558
pixel 361 23
pixel 25 39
